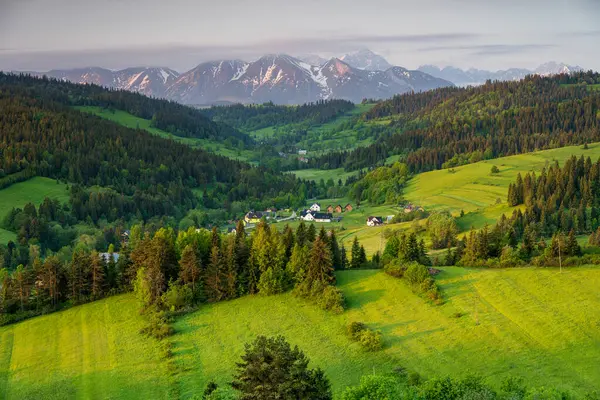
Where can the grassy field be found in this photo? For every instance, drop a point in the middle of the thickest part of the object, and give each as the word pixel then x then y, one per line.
pixel 325 174
pixel 33 191
pixel 474 189
pixel 92 351
pixel 536 323
pixel 131 121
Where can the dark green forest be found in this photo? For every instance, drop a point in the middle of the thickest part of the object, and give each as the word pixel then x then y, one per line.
pixel 450 127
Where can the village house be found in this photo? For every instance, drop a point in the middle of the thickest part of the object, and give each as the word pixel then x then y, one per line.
pixel 330 209
pixel 253 217
pixel 348 207
pixel 322 217
pixel 302 152
pixel 338 209
pixel 374 221
pixel 307 216
pixel 315 207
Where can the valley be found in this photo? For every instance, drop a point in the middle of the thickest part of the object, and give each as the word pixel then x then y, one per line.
pixel 133 262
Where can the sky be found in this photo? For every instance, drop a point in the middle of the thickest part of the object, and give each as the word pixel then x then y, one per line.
pixel 39 35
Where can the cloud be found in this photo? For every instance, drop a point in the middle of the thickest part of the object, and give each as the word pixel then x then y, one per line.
pixel 579 34
pixel 183 57
pixel 490 49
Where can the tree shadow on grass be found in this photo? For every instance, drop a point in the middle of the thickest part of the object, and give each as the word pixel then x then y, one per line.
pixel 359 299
pixel 456 288
pixel 391 340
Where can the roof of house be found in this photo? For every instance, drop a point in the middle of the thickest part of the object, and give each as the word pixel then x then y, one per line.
pixel 254 215
pixel 375 219
pixel 322 215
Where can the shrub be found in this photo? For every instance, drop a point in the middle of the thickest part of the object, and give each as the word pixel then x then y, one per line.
pixel 416 273
pixel 332 299
pixel 177 297
pixel 354 329
pixel 158 325
pixel 371 340
pixel 394 268
pixel 495 170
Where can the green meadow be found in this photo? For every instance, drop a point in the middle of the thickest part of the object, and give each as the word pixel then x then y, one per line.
pixel 479 193
pixel 536 323
pixel 33 190
pixel 133 122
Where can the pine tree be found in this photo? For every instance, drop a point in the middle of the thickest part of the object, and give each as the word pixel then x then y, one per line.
pixel 301 239
pixel 343 258
pixel 190 268
pixel 311 233
pixel 356 259
pixel 214 279
pixel 97 273
pixel 230 268
pixel 320 268
pixel 334 247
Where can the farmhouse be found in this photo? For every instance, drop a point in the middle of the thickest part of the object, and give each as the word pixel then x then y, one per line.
pixel 338 209
pixel 348 207
pixel 330 209
pixel 302 152
pixel 322 217
pixel 253 217
pixel 374 221
pixel 307 216
pixel 315 207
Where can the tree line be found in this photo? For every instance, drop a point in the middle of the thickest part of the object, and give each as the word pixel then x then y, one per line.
pixel 169 270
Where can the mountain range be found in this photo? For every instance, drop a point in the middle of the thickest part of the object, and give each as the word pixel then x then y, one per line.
pixel 279 78
pixel 474 76
pixel 283 79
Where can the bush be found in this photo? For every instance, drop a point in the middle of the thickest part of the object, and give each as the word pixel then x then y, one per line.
pixel 371 340
pixel 416 273
pixel 354 330
pixel 394 268
pixel 495 170
pixel 177 297
pixel 158 325
pixel 332 299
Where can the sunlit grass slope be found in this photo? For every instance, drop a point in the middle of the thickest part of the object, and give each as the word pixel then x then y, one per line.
pixel 536 323
pixel 473 188
pixel 93 351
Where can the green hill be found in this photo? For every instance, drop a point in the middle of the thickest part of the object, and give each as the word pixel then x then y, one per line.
pixel 537 323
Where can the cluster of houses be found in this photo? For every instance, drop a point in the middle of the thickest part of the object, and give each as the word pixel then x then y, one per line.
pixel 254 217
pixel 314 214
pixel 412 208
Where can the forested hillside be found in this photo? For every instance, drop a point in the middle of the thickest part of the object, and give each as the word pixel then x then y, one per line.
pixel 167 115
pixel 252 117
pixel 140 175
pixel 450 127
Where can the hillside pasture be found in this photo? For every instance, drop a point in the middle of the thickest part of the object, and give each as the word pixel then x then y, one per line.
pixel 133 122
pixel 536 323
pixel 33 190
pixel 476 191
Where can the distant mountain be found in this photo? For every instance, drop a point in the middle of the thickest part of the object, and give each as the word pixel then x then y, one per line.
pixel 312 59
pixel 148 81
pixel 283 79
pixel 278 78
pixel 367 60
pixel 477 77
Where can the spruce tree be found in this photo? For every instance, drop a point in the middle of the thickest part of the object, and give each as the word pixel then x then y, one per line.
pixel 214 281
pixel 334 247
pixel 97 273
pixel 320 268
pixel 355 251
pixel 311 233
pixel 189 268
pixel 343 258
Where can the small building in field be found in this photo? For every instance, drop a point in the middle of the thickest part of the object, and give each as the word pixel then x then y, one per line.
pixel 253 217
pixel 302 152
pixel 308 216
pixel 330 209
pixel 322 217
pixel 348 207
pixel 338 209
pixel 374 221
pixel 315 207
